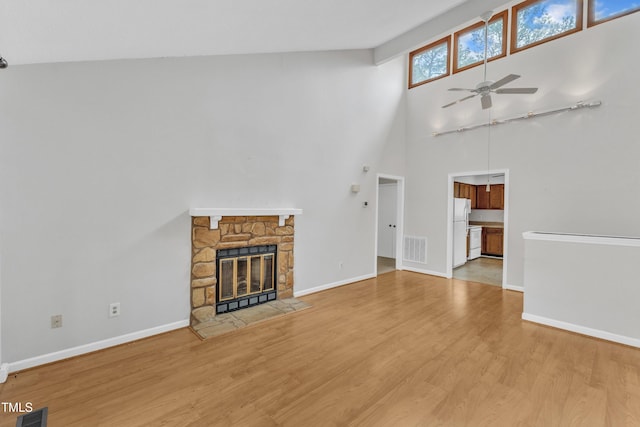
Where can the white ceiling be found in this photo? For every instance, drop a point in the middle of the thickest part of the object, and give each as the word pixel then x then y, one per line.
pixel 35 31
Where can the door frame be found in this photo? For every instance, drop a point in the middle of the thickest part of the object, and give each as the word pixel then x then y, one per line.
pixel 505 243
pixel 399 215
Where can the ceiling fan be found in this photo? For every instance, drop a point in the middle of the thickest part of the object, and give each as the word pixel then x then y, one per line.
pixel 487 87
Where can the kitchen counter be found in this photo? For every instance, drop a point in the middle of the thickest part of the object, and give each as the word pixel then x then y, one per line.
pixel 487 224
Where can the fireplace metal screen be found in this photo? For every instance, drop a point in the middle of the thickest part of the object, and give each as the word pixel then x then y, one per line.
pixel 246 277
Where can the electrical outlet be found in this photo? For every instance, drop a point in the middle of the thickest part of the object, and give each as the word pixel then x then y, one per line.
pixel 56 321
pixel 114 309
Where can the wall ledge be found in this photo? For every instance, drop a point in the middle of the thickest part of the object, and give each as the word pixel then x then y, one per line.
pixel 582 238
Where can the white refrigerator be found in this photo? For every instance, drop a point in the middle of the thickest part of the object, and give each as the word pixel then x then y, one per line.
pixel 461 210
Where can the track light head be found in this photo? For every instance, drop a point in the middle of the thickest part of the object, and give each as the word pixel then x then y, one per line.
pixel 3 63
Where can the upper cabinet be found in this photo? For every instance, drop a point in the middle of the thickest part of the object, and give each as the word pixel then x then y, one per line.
pixel 465 191
pixel 472 195
pixel 479 196
pixel 492 199
pixel 482 197
pixel 496 197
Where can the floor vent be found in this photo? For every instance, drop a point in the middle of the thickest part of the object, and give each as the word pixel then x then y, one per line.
pixel 37 418
pixel 415 249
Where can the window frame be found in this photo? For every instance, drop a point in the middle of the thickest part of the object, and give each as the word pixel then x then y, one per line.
pixel 447 40
pixel 504 15
pixel 591 16
pixel 527 3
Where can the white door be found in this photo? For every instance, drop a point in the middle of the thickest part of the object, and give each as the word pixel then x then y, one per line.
pixel 387 219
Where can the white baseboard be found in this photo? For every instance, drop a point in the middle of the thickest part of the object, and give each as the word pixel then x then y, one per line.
pixel 94 346
pixel 332 285
pixel 429 272
pixel 621 339
pixel 513 288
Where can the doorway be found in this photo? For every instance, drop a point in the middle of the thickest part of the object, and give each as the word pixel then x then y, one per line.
pixel 487 221
pixel 389 223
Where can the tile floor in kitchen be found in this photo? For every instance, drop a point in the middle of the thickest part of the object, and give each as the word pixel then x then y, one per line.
pixel 481 270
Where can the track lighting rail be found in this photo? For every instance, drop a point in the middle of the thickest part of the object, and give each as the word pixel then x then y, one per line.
pixel 578 106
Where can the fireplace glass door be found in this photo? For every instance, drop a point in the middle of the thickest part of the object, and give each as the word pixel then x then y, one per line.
pixel 246 277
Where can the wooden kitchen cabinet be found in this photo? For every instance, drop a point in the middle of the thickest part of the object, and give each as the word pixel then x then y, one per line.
pixel 493 199
pixel 465 191
pixel 482 199
pixel 496 196
pixel 473 196
pixel 492 241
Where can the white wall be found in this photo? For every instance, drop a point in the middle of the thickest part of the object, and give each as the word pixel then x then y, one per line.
pixel 574 172
pixel 101 161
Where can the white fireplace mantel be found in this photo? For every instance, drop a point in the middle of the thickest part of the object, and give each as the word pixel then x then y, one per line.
pixel 216 214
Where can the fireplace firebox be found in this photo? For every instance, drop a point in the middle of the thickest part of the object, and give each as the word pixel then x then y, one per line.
pixel 246 277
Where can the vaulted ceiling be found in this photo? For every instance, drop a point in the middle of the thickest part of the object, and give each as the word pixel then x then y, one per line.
pixel 36 31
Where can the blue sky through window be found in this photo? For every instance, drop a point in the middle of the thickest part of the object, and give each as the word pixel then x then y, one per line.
pixel 607 8
pixel 545 19
pixel 471 44
pixel 554 11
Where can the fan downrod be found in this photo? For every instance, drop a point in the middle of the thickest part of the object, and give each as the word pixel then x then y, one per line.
pixel 486 16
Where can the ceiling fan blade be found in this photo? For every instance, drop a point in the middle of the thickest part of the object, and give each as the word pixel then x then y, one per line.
pixel 461 89
pixel 458 101
pixel 503 81
pixel 486 101
pixel 517 90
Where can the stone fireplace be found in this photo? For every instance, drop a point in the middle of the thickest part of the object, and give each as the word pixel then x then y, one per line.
pixel 239 260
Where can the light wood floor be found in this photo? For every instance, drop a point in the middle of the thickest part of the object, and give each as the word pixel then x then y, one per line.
pixel 401 350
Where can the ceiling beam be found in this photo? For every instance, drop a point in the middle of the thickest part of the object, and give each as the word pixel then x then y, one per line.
pixel 433 28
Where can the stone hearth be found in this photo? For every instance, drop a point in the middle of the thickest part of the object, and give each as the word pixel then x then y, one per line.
pixel 235 232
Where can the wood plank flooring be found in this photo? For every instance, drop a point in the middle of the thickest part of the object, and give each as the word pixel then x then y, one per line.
pixel 404 349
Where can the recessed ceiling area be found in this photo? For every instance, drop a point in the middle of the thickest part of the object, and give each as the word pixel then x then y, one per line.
pixel 38 31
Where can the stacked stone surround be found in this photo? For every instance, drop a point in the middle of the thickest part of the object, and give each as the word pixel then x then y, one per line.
pixel 235 232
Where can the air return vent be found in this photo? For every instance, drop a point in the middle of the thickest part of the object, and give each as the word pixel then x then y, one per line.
pixel 415 249
pixel 37 418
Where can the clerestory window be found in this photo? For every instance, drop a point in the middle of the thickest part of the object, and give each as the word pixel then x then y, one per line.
pixel 606 10
pixel 468 43
pixel 538 21
pixel 429 63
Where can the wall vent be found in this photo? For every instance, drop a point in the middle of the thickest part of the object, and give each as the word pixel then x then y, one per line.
pixel 37 418
pixel 415 249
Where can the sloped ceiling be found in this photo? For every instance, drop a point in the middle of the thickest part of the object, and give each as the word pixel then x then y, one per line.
pixel 36 31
